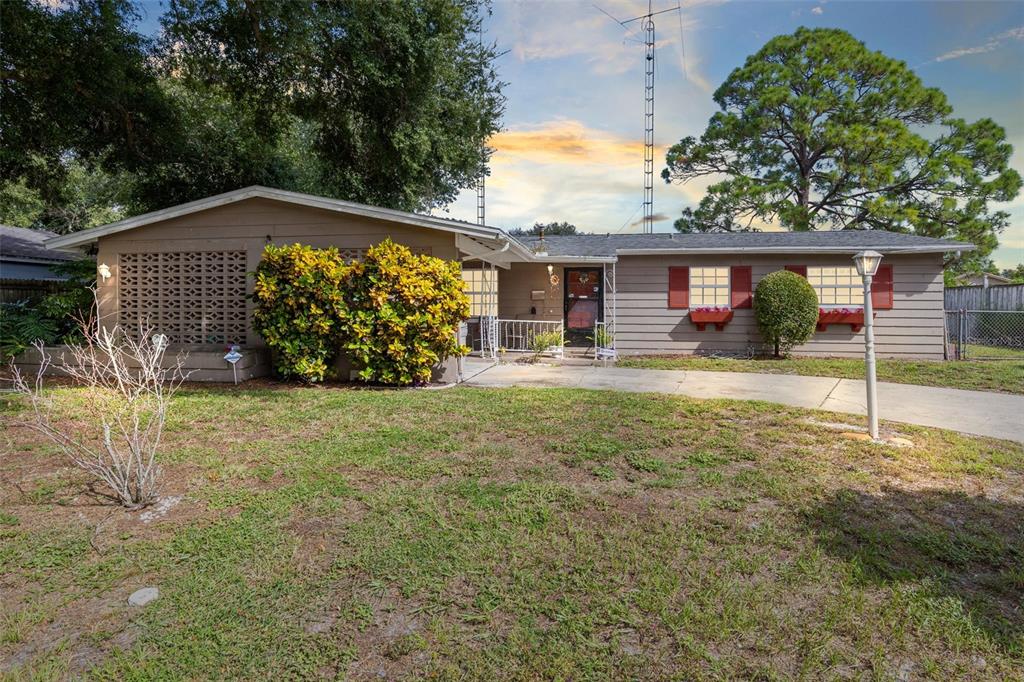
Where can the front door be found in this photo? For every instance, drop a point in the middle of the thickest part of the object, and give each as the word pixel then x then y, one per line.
pixel 583 297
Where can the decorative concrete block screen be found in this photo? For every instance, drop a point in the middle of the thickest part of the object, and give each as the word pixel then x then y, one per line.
pixel 194 297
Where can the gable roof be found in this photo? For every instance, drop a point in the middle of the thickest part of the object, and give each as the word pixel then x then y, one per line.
pixel 599 247
pixel 840 242
pixel 78 239
pixel 27 246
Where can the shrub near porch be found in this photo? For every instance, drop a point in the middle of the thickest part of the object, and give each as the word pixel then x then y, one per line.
pixel 518 534
pixel 395 314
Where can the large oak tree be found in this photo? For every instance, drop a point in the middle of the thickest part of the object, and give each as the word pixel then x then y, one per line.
pixel 387 103
pixel 818 132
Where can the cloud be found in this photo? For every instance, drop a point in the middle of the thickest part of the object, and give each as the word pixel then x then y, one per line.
pixel 558 30
pixel 993 43
pixel 657 217
pixel 54 5
pixel 819 10
pixel 565 141
pixel 565 170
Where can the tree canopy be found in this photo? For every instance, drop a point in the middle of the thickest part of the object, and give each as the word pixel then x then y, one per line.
pixel 549 229
pixel 382 103
pixel 816 131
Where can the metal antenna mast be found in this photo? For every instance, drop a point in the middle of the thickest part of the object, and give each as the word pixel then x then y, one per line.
pixel 481 182
pixel 481 192
pixel 649 124
pixel 647 26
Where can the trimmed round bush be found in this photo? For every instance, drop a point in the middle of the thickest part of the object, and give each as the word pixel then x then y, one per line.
pixel 786 309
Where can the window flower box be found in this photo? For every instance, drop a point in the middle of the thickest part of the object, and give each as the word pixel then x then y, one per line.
pixel 851 316
pixel 711 315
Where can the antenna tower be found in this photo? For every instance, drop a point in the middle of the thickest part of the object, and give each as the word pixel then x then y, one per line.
pixel 647 27
pixel 481 182
pixel 481 192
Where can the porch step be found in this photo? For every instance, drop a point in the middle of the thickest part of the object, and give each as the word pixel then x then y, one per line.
pixel 578 361
pixel 578 352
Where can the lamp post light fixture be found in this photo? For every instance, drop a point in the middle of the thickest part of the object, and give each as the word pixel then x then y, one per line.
pixel 867 263
pixel 104 271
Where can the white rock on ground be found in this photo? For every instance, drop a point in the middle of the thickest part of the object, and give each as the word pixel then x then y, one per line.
pixel 143 596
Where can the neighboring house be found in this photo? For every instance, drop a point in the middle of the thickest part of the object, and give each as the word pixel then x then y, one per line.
pixel 26 264
pixel 186 270
pixel 983 279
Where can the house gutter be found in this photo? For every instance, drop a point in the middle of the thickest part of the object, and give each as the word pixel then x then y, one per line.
pixel 78 239
pixel 486 256
pixel 798 249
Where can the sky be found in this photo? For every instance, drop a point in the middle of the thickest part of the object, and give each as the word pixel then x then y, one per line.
pixel 571 147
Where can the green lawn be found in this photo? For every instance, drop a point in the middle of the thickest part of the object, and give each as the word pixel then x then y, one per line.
pixel 984 375
pixel 974 350
pixel 517 534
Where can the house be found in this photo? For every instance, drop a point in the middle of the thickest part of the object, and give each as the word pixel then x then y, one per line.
pixel 186 269
pixel 981 279
pixel 26 264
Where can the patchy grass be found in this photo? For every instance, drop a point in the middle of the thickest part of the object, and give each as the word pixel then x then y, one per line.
pixel 517 534
pixel 1006 376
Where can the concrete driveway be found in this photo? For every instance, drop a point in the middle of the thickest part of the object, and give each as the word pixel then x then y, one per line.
pixel 982 413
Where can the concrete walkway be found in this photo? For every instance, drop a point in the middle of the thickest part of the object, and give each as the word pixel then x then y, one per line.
pixel 998 415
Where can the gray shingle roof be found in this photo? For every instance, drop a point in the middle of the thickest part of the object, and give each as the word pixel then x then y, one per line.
pixel 605 245
pixel 20 244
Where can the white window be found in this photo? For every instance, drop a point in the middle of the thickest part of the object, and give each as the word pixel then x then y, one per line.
pixel 709 287
pixel 482 289
pixel 839 286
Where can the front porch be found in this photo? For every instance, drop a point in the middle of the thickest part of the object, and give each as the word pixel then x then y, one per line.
pixel 556 308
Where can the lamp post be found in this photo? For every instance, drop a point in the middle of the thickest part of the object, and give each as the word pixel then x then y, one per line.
pixel 867 263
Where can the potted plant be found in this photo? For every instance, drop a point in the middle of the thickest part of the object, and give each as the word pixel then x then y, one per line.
pixel 716 315
pixel 851 316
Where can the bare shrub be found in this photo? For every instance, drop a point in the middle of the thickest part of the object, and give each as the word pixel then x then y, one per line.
pixel 111 429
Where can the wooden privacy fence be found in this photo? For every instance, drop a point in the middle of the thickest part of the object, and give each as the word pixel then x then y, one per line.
pixel 12 291
pixel 1002 297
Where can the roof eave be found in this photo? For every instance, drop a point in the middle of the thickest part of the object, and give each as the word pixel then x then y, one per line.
pixel 548 258
pixel 78 239
pixel 33 261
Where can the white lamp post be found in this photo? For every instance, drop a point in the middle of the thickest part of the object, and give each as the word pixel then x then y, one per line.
pixel 867 263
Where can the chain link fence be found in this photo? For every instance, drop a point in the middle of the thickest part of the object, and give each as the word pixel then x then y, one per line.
pixel 985 334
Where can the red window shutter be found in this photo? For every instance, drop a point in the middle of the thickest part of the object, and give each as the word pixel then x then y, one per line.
pixel 679 287
pixel 798 269
pixel 742 286
pixel 881 288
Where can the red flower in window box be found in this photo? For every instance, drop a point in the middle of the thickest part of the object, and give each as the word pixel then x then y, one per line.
pixel 851 316
pixel 718 316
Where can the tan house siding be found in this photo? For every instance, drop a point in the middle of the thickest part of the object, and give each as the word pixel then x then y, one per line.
pixel 514 292
pixel 912 328
pixel 249 226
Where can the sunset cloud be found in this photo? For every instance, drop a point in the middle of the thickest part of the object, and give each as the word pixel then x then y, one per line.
pixel 567 142
pixel 565 170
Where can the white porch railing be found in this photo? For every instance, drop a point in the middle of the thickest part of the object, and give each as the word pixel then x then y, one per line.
pixel 522 336
pixel 489 335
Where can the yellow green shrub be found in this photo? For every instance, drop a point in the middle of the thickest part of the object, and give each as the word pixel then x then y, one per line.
pixel 299 308
pixel 395 314
pixel 402 314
